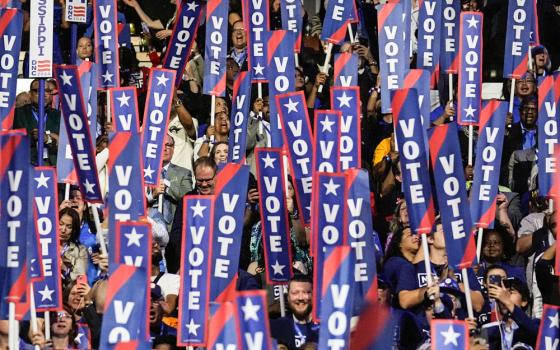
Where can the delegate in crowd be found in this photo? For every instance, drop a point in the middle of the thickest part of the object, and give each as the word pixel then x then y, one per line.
pixel 515 275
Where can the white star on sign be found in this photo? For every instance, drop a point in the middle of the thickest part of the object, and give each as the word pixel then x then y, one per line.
pixel 327 124
pixel 148 172
pixel 259 70
pixel 46 293
pixel 450 336
pixel 198 209
pixel 331 187
pixel 191 6
pixel 278 269
pixel 66 79
pixel 470 111
pixel 269 161
pixel 291 105
pixel 107 77
pixel 78 338
pixel 42 180
pixel 133 238
pixel 472 22
pixel 553 321
pixel 344 100
pixel 192 327
pixel 123 99
pixel 162 80
pixel 89 186
pixel 250 310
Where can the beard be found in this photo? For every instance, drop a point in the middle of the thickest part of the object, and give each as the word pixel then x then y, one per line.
pixel 301 315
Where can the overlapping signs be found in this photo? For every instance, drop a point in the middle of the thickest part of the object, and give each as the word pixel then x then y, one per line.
pixel 124 108
pixel 549 329
pixel 77 128
pixel 252 320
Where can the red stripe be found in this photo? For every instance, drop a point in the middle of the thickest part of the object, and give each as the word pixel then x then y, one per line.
pixel 427 222
pixel 117 281
pixel 211 7
pixel 339 35
pixel 439 135
pixel 384 14
pixel 372 322
pixel 225 176
pixel 218 323
pixel 228 294
pixel 487 112
pixel 470 252
pixel 220 86
pixel 339 64
pixel 6 19
pixel 118 144
pixel 8 151
pixel 84 67
pixel 332 264
pixel 521 68
pixel 17 290
pixel 8 121
pixel 273 42
pixel 412 78
pixel 544 89
pixel 488 216
pixel 398 100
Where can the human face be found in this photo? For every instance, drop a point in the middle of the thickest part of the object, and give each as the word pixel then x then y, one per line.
pixel 439 239
pixel 221 123
pixel 403 213
pixel 77 202
pixel 232 70
pixel 74 299
pixel 496 271
pixel 238 35
pixel 300 80
pixel 221 153
pixel 168 148
pixel 62 324
pixel 65 228
pixel 525 87
pixel 291 192
pixel 221 106
pixel 529 114
pixel 410 242
pixel 299 299
pixel 205 179
pixel 541 59
pixel 85 48
pixel 493 246
pixel 34 92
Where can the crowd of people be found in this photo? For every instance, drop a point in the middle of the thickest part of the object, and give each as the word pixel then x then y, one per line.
pixel 510 284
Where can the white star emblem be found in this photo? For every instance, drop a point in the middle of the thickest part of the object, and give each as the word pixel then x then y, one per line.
pixel 450 336
pixel 470 111
pixel 192 327
pixel 472 22
pixel 331 187
pixel 191 6
pixel 78 338
pixel 259 70
pixel 278 269
pixel 269 161
pixel 148 172
pixel 46 293
pixel 107 77
pixel 553 321
pixel 250 310
pixel 66 79
pixel 327 124
pixel 291 105
pixel 198 209
pixel 123 99
pixel 162 80
pixel 89 186
pixel 344 100
pixel 42 180
pixel 133 238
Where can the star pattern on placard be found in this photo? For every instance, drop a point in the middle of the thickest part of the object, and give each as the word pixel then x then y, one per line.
pixel 162 80
pixel 327 124
pixel 123 99
pixel 331 187
pixel 42 180
pixel 198 209
pixel 450 336
pixel 250 310
pixel 259 70
pixel 89 186
pixel 46 293
pixel 277 268
pixel 344 100
pixel 472 22
pixel 193 327
pixel 133 238
pixel 268 161
pixel 553 321
pixel 148 172
pixel 291 105
pixel 469 111
pixel 66 79
pixel 191 6
pixel 107 77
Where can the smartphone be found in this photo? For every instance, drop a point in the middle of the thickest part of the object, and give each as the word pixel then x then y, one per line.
pixel 82 279
pixel 495 279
